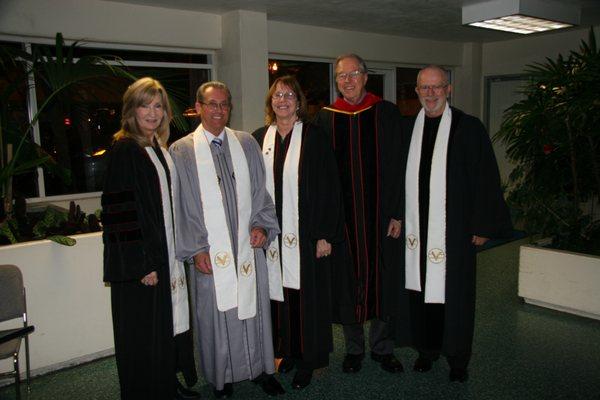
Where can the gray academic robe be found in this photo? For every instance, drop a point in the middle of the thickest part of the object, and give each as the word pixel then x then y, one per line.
pixel 231 350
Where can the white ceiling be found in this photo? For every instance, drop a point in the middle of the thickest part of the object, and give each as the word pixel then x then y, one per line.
pixel 429 19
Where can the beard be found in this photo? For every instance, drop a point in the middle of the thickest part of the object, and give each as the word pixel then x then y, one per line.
pixel 437 108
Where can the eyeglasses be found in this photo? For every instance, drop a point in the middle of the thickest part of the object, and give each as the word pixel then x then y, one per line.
pixel 435 88
pixel 214 106
pixel 349 75
pixel 281 95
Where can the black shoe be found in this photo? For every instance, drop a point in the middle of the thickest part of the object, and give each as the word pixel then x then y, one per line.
pixel 422 364
pixel 181 392
pixel 225 393
pixel 302 378
pixel 458 375
pixel 269 385
pixel 388 362
pixel 286 365
pixel 352 363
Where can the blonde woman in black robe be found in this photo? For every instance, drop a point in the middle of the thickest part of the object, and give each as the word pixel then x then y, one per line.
pixel 148 286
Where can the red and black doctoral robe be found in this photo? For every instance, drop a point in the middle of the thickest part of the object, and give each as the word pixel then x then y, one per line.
pixel 366 140
pixel 302 322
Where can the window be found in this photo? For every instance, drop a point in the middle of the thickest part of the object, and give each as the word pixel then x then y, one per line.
pixel 76 127
pixel 15 118
pixel 406 97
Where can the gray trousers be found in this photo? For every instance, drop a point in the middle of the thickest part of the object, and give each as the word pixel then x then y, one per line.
pixel 379 340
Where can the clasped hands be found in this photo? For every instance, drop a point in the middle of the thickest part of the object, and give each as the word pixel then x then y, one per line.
pixel 258 238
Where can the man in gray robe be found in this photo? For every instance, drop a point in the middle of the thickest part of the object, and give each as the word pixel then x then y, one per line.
pixel 231 348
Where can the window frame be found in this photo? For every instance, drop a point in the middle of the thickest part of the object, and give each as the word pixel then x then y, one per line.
pixel 32 105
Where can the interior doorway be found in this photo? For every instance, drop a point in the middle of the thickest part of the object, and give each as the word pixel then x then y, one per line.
pixel 501 93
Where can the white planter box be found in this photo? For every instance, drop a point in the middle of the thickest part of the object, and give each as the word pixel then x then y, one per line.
pixel 560 280
pixel 66 299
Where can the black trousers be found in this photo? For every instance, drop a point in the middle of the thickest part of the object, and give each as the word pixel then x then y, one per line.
pixel 379 340
pixel 427 323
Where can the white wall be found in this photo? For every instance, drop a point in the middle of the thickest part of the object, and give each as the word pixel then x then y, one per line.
pixel 242 63
pixel 88 202
pixel 467 80
pixel 311 41
pixel 67 301
pixel 511 56
pixel 327 43
pixel 109 22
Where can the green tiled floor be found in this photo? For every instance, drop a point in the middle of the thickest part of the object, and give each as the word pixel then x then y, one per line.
pixel 520 352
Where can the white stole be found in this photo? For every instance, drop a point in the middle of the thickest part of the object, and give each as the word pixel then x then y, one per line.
pixel 179 294
pixel 235 282
pixel 289 275
pixel 435 278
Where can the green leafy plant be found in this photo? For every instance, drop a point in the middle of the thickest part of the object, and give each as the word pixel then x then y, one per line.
pixel 65 78
pixel 553 138
pixel 53 223
pixel 60 73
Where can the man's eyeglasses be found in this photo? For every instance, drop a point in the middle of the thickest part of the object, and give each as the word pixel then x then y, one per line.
pixel 283 95
pixel 435 88
pixel 214 106
pixel 349 75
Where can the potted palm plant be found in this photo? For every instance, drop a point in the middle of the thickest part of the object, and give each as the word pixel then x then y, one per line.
pixel 61 74
pixel 553 138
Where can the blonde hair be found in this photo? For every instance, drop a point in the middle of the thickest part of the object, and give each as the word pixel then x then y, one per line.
pixel 141 92
pixel 292 83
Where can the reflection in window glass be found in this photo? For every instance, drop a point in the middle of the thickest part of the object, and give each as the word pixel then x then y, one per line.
pixel 77 126
pixel 406 97
pixel 83 49
pixel 15 121
pixel 375 84
pixel 312 76
pixel 77 129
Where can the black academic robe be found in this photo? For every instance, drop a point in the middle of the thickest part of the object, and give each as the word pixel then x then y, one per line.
pixel 474 206
pixel 366 144
pixel 135 245
pixel 302 323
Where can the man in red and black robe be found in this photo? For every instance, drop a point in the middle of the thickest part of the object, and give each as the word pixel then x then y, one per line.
pixel 366 136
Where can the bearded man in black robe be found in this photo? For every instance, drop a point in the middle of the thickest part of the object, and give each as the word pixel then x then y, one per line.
pixel 365 133
pixel 453 203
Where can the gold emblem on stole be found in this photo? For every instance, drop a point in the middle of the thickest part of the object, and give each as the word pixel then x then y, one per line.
pixel 177 282
pixel 436 256
pixel 412 241
pixel 290 240
pixel 272 253
pixel 246 269
pixel 222 259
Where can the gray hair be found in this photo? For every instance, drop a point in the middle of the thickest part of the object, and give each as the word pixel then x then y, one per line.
pixel 359 60
pixel 442 71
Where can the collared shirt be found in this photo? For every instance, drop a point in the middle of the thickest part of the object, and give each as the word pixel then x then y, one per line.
pixel 210 136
